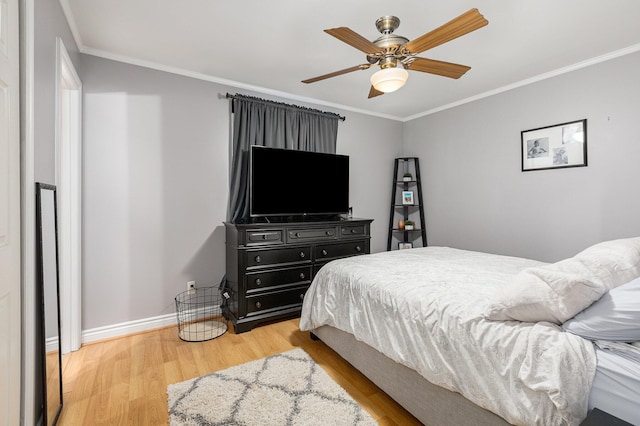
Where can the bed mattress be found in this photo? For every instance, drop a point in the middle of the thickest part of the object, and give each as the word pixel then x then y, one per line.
pixel 424 309
pixel 616 385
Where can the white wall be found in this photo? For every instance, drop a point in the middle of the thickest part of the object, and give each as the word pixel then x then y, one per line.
pixel 477 196
pixel 156 155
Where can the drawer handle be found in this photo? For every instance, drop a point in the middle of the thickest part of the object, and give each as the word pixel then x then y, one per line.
pixel 302 275
pixel 258 260
pixel 258 281
pixel 264 236
pixel 353 231
pixel 358 249
pixel 297 234
pixel 324 252
pixel 258 305
pixel 329 233
pixel 301 296
pixel 302 255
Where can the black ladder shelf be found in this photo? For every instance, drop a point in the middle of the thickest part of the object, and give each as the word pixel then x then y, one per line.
pixel 405 208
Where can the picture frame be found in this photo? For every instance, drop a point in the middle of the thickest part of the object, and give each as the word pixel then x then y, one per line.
pixel 405 245
pixel 554 147
pixel 407 198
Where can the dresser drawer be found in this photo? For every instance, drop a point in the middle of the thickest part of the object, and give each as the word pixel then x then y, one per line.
pixel 274 300
pixel 269 257
pixel 271 236
pixel 258 281
pixel 331 251
pixel 306 234
pixel 353 230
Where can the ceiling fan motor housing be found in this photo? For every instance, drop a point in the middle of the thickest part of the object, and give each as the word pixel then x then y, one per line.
pixel 388 43
pixel 387 24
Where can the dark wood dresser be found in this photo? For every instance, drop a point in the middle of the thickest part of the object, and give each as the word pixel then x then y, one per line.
pixel 270 265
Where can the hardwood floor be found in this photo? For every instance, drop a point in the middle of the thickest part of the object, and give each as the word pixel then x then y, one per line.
pixel 124 381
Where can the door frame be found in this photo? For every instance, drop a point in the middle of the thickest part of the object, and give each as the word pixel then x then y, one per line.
pixel 28 216
pixel 68 141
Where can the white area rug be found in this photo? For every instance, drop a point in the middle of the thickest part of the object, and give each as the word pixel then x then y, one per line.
pixel 284 389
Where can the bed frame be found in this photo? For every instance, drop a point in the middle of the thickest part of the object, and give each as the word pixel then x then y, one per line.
pixel 429 403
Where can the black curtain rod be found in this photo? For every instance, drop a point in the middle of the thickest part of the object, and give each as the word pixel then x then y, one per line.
pixel 265 101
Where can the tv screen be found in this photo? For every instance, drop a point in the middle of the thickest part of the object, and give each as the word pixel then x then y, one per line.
pixel 285 182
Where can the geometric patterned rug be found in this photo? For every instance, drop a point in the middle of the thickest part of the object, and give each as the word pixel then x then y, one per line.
pixel 284 389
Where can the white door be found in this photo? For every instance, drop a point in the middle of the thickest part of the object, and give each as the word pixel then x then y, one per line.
pixel 10 301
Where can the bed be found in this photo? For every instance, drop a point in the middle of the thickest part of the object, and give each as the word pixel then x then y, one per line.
pixel 462 337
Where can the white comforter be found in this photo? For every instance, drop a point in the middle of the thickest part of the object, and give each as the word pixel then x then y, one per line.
pixel 423 308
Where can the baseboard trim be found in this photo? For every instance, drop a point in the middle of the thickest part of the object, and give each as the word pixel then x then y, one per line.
pixel 145 324
pixel 129 327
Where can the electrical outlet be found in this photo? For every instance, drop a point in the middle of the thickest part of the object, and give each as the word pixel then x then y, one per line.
pixel 191 285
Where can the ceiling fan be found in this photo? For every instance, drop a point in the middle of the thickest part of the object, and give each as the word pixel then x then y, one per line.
pixel 396 54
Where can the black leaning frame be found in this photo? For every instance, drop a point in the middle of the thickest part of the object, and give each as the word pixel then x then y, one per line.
pixel 41 281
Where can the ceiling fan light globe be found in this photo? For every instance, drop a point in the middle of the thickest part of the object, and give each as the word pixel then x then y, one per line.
pixel 389 79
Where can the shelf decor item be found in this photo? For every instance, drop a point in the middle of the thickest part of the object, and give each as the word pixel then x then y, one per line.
pixel 407 177
pixel 401 224
pixel 407 198
pixel 408 225
pixel 403 246
pixel 554 147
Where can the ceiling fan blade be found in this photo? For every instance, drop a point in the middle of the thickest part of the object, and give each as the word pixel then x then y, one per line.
pixel 457 27
pixel 373 92
pixel 336 73
pixel 353 39
pixel 445 69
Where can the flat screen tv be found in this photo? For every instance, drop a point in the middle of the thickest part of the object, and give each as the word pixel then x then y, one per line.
pixel 285 182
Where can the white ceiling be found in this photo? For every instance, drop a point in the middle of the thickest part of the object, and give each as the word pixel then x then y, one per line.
pixel 270 46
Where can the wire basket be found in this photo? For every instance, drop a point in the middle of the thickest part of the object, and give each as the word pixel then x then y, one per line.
pixel 199 314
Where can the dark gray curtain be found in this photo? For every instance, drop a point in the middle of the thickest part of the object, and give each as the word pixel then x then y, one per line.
pixel 276 125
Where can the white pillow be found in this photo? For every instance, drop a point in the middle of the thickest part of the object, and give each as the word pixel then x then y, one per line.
pixel 614 317
pixel 558 291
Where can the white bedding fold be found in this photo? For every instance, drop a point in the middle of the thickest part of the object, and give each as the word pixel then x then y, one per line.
pixel 424 308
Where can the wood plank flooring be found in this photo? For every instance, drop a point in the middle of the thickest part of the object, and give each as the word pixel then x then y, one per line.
pixel 124 381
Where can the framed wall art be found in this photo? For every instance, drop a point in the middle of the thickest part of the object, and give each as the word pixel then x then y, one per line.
pixel 554 147
pixel 407 197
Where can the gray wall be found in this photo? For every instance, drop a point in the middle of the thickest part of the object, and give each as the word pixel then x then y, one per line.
pixel 478 198
pixel 156 155
pixel 372 144
pixel 49 23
